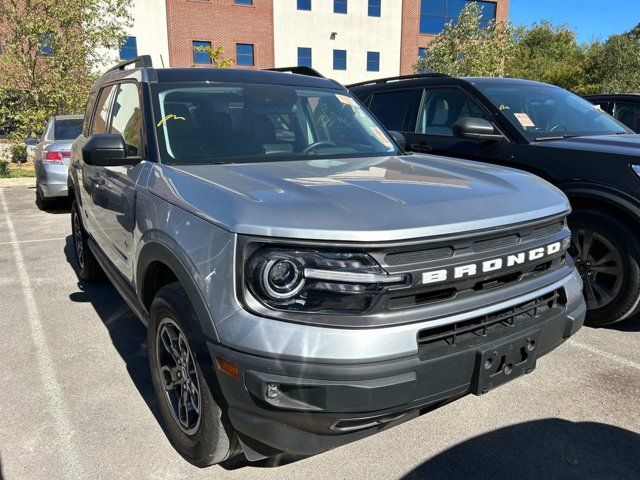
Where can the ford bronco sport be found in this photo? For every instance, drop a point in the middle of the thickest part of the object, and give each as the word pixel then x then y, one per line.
pixel 304 282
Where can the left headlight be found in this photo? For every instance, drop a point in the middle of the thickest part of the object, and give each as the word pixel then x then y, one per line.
pixel 308 280
pixel 636 168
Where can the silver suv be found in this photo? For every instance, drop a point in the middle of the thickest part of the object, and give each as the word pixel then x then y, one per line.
pixel 305 283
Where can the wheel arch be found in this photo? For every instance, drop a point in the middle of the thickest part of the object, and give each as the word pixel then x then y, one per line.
pixel 619 204
pixel 160 264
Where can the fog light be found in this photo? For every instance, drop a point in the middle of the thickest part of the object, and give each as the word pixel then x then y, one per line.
pixel 273 390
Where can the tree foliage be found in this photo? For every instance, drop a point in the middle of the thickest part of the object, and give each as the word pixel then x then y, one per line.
pixel 216 54
pixel 52 52
pixel 467 48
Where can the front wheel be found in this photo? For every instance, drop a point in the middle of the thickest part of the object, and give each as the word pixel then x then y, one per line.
pixel 607 255
pixel 196 423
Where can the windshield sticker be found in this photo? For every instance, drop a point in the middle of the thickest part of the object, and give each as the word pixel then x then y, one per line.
pixel 347 100
pixel 598 107
pixel 381 136
pixel 171 116
pixel 504 107
pixel 524 120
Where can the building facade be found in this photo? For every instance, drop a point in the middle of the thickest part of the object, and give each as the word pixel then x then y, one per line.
pixel 348 40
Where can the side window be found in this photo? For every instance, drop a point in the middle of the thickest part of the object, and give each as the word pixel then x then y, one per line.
pixel 442 107
pixel 126 118
pixel 48 132
pixel 91 101
pixel 396 109
pixel 101 115
pixel 629 114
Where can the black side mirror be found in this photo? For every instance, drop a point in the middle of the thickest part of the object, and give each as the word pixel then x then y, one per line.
pixel 31 141
pixel 477 129
pixel 400 140
pixel 106 150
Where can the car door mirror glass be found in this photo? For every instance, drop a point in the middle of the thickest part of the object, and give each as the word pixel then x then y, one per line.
pixel 399 139
pixel 106 150
pixel 477 129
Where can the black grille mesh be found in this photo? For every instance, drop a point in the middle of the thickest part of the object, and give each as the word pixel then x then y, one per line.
pixel 417 256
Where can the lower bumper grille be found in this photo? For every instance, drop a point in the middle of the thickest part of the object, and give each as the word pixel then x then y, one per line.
pixel 459 332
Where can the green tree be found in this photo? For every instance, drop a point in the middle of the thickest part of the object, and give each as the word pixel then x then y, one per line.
pixel 614 65
pixel 53 50
pixel 549 54
pixel 468 48
pixel 216 54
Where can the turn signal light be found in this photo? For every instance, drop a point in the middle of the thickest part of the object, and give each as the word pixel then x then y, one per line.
pixel 227 367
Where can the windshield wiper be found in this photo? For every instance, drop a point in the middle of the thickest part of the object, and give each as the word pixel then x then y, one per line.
pixel 559 137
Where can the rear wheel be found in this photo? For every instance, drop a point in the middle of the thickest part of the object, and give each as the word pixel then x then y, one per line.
pixel 42 202
pixel 88 269
pixel 607 255
pixel 190 400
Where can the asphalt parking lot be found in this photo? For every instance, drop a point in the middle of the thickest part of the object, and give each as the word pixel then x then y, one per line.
pixel 77 400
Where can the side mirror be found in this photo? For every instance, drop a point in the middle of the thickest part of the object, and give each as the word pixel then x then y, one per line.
pixel 476 129
pixel 31 141
pixel 400 140
pixel 105 150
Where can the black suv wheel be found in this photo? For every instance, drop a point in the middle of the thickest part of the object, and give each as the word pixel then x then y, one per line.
pixel 88 269
pixel 190 401
pixel 607 254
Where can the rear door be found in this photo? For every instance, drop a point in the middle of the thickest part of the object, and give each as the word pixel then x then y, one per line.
pixel 115 210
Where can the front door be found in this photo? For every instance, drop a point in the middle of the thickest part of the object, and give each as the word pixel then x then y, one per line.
pixel 115 213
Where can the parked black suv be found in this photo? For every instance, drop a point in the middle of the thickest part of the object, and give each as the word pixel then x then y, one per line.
pixel 546 130
pixel 624 107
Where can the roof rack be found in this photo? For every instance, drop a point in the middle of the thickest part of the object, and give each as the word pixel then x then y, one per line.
pixel 298 71
pixel 144 61
pixel 400 77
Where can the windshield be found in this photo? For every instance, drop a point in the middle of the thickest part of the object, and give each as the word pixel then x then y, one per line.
pixel 67 129
pixel 226 123
pixel 546 112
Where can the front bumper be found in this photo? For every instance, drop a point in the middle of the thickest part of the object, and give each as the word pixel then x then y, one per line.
pixel 323 405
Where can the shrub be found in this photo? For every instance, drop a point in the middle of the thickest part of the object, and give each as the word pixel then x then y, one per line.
pixel 4 169
pixel 19 154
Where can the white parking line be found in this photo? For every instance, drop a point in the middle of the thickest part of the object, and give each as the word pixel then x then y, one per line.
pixel 33 241
pixel 56 404
pixel 607 355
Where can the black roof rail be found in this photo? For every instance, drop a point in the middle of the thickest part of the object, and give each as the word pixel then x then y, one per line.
pixel 399 77
pixel 310 72
pixel 143 61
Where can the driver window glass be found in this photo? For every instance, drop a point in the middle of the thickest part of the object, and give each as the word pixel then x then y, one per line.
pixel 629 114
pixel 101 118
pixel 126 118
pixel 442 107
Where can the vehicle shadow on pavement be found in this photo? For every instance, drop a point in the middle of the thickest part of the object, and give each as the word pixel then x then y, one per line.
pixel 128 334
pixel 542 449
pixel 630 325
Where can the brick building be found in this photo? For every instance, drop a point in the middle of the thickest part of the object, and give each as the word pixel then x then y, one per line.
pixel 349 40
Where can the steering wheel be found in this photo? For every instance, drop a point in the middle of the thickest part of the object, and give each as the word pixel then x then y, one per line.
pixel 558 127
pixel 316 145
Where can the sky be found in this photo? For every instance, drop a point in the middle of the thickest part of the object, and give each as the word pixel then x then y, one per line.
pixel 592 19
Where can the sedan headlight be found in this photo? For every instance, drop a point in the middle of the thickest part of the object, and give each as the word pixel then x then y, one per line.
pixel 636 168
pixel 317 281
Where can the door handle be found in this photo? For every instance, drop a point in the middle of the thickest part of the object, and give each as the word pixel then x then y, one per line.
pixel 96 179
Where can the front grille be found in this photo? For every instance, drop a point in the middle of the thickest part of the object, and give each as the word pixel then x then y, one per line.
pixel 495 243
pixel 418 256
pixel 548 229
pixel 480 326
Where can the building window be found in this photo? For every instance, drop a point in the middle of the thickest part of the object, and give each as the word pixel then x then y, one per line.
pixel 435 14
pixel 373 61
pixel 243 2
pixel 423 52
pixel 129 49
pixel 339 59
pixel 339 6
pixel 304 4
pixel 199 55
pixel 304 57
pixel 374 8
pixel 46 44
pixel 244 54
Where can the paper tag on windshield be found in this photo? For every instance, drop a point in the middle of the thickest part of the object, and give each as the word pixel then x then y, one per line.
pixel 380 136
pixel 524 120
pixel 598 107
pixel 347 100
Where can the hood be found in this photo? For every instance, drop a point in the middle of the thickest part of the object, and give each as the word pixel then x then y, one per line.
pixel 609 144
pixel 359 199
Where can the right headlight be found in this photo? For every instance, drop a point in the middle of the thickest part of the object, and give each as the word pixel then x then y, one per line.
pixel 309 280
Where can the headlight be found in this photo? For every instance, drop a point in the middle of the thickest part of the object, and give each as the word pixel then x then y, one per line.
pixel 636 168
pixel 317 281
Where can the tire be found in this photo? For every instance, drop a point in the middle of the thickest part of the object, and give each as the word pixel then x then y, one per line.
pixel 87 267
pixel 611 267
pixel 198 427
pixel 41 201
